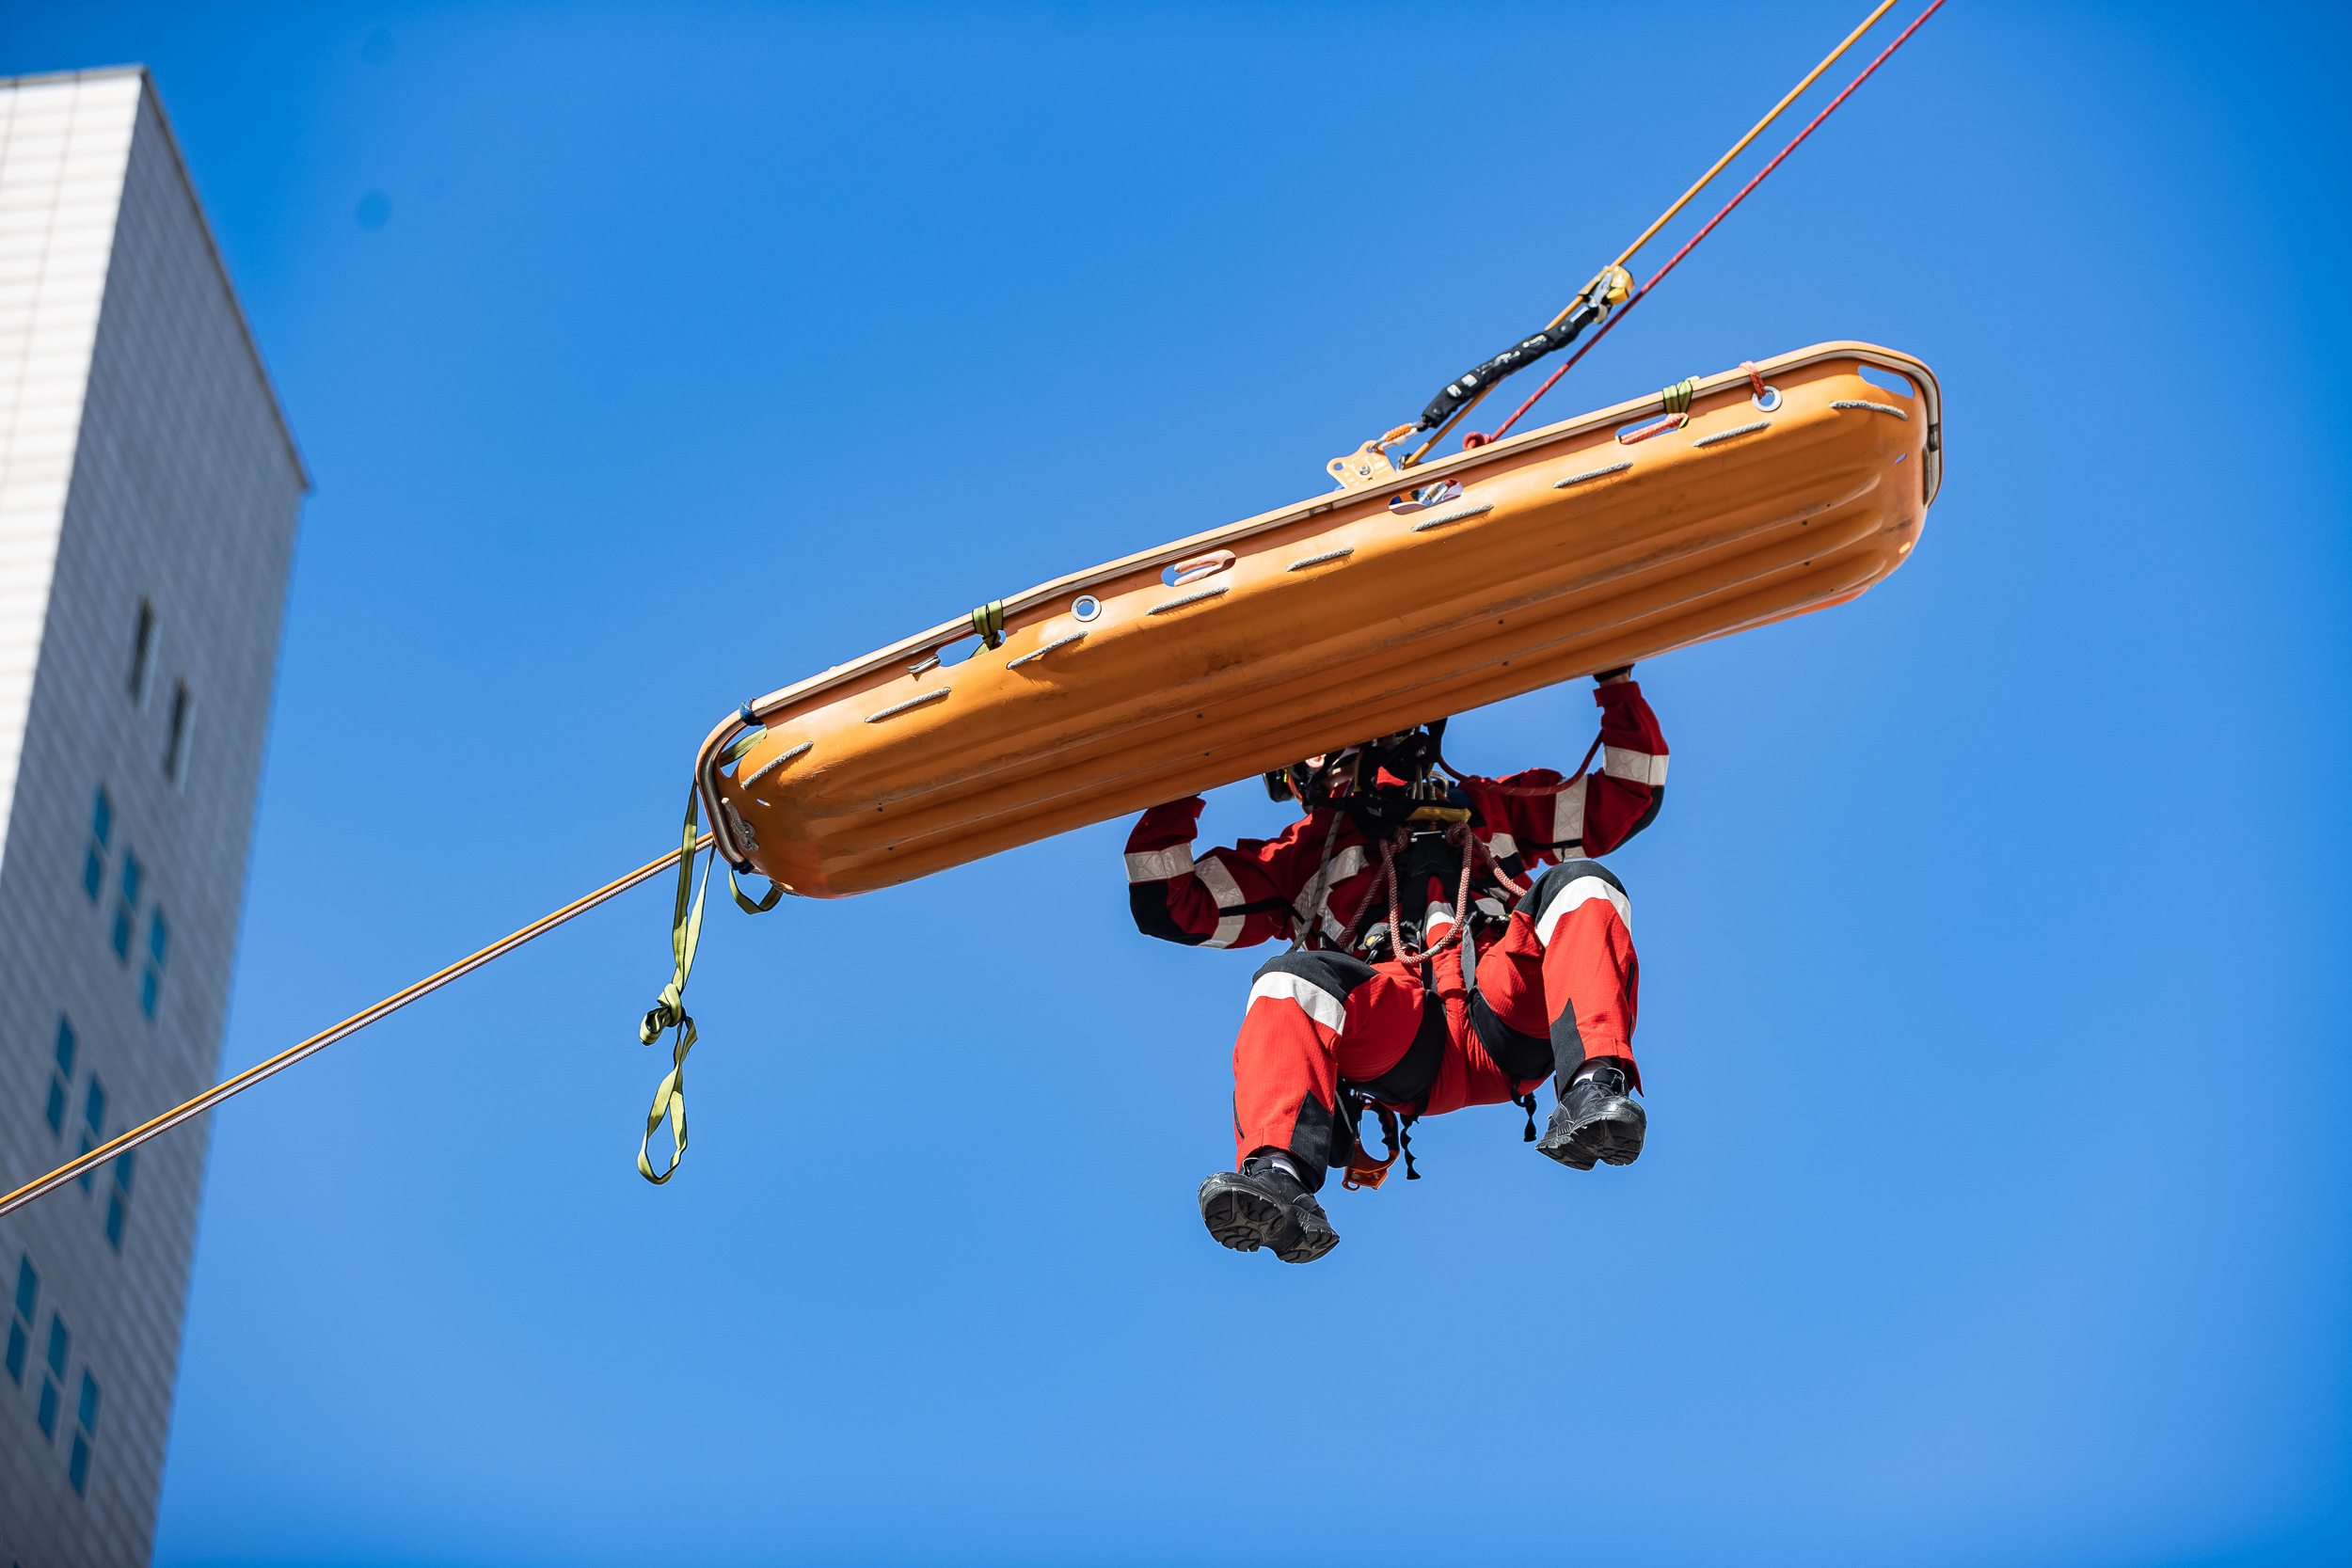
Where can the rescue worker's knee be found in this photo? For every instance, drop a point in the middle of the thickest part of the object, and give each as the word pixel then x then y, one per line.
pixel 1563 887
pixel 1333 974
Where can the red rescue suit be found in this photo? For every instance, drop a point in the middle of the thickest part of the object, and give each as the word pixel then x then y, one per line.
pixel 1531 991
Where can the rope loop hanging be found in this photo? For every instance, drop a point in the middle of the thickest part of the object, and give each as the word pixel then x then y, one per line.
pixel 669 1010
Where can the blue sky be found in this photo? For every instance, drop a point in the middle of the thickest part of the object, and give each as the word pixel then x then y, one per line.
pixel 652 357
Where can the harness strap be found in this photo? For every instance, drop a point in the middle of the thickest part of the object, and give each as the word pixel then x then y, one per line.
pixel 1362 1169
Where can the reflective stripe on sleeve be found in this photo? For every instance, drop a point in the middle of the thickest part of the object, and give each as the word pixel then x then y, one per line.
pixel 1227 893
pixel 1159 865
pixel 1348 863
pixel 1582 890
pixel 1623 762
pixel 1316 1003
pixel 1567 812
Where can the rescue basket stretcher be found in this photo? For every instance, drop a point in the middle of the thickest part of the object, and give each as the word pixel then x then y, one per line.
pixel 1556 553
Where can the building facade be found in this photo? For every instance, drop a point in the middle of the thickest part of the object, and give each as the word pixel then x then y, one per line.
pixel 149 496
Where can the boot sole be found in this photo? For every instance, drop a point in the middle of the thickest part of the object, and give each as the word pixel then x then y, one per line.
pixel 1245 1221
pixel 1602 1140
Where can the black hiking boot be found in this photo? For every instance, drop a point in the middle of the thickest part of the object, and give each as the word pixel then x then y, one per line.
pixel 1262 1205
pixel 1596 1120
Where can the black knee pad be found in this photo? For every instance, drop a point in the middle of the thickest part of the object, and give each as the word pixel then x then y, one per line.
pixel 1521 1058
pixel 1335 973
pixel 1555 881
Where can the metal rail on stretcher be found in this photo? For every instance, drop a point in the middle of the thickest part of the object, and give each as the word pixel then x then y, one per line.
pixel 1567 550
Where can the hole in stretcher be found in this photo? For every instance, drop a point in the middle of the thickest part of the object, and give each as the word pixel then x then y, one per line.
pixel 1086 607
pixel 1892 381
pixel 1195 568
pixel 956 653
pixel 1428 495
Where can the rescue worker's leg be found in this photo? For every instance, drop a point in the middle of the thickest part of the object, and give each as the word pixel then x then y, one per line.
pixel 1566 967
pixel 1312 1018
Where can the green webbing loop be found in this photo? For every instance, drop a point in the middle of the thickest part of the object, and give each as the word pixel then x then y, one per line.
pixel 988 620
pixel 743 901
pixel 686 930
pixel 1677 398
pixel 669 1012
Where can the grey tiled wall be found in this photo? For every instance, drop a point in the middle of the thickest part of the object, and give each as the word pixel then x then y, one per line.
pixel 184 491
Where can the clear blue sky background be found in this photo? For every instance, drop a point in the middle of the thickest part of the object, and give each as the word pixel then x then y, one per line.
pixel 651 357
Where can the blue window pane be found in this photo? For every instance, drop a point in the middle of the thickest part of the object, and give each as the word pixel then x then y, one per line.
pixel 147 994
pixel 27 1289
pixel 123 1169
pixel 93 872
pixel 94 1107
pixel 16 1354
pixel 65 1046
pixel 158 938
pixel 59 1342
pixel 48 1408
pixel 114 1221
pixel 121 938
pixel 102 819
pixel 131 873
pixel 56 1106
pixel 87 1407
pixel 78 1471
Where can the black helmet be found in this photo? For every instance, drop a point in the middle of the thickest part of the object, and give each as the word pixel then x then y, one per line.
pixel 1409 757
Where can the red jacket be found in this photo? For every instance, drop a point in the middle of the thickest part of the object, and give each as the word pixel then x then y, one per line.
pixel 1259 888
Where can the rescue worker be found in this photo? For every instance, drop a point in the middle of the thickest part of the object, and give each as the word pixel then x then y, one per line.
pixel 1392 997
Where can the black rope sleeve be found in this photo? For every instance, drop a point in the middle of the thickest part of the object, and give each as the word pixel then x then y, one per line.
pixel 1517 358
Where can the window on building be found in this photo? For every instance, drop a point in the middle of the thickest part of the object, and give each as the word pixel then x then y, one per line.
pixel 101 822
pixel 86 1433
pixel 119 1200
pixel 158 947
pixel 142 653
pixel 21 1320
pixel 126 907
pixel 182 721
pixel 61 1079
pixel 52 1383
pixel 93 1120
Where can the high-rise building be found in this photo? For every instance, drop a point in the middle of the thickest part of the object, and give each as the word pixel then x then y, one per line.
pixel 148 493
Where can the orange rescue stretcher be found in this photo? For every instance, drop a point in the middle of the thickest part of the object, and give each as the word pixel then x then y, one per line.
pixel 1727 503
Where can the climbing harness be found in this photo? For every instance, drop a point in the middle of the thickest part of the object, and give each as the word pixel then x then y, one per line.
pixel 1610 287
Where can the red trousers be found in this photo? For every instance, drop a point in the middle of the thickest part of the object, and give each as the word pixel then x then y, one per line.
pixel 1559 985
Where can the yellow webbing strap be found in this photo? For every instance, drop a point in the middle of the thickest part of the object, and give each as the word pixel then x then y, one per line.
pixel 988 620
pixel 1677 398
pixel 686 930
pixel 743 901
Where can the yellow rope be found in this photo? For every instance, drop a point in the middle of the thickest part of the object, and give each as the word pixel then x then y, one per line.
pixel 1741 146
pixel 325 1037
pixel 1667 217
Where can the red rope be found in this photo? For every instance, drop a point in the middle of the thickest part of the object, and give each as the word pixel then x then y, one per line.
pixel 1659 276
